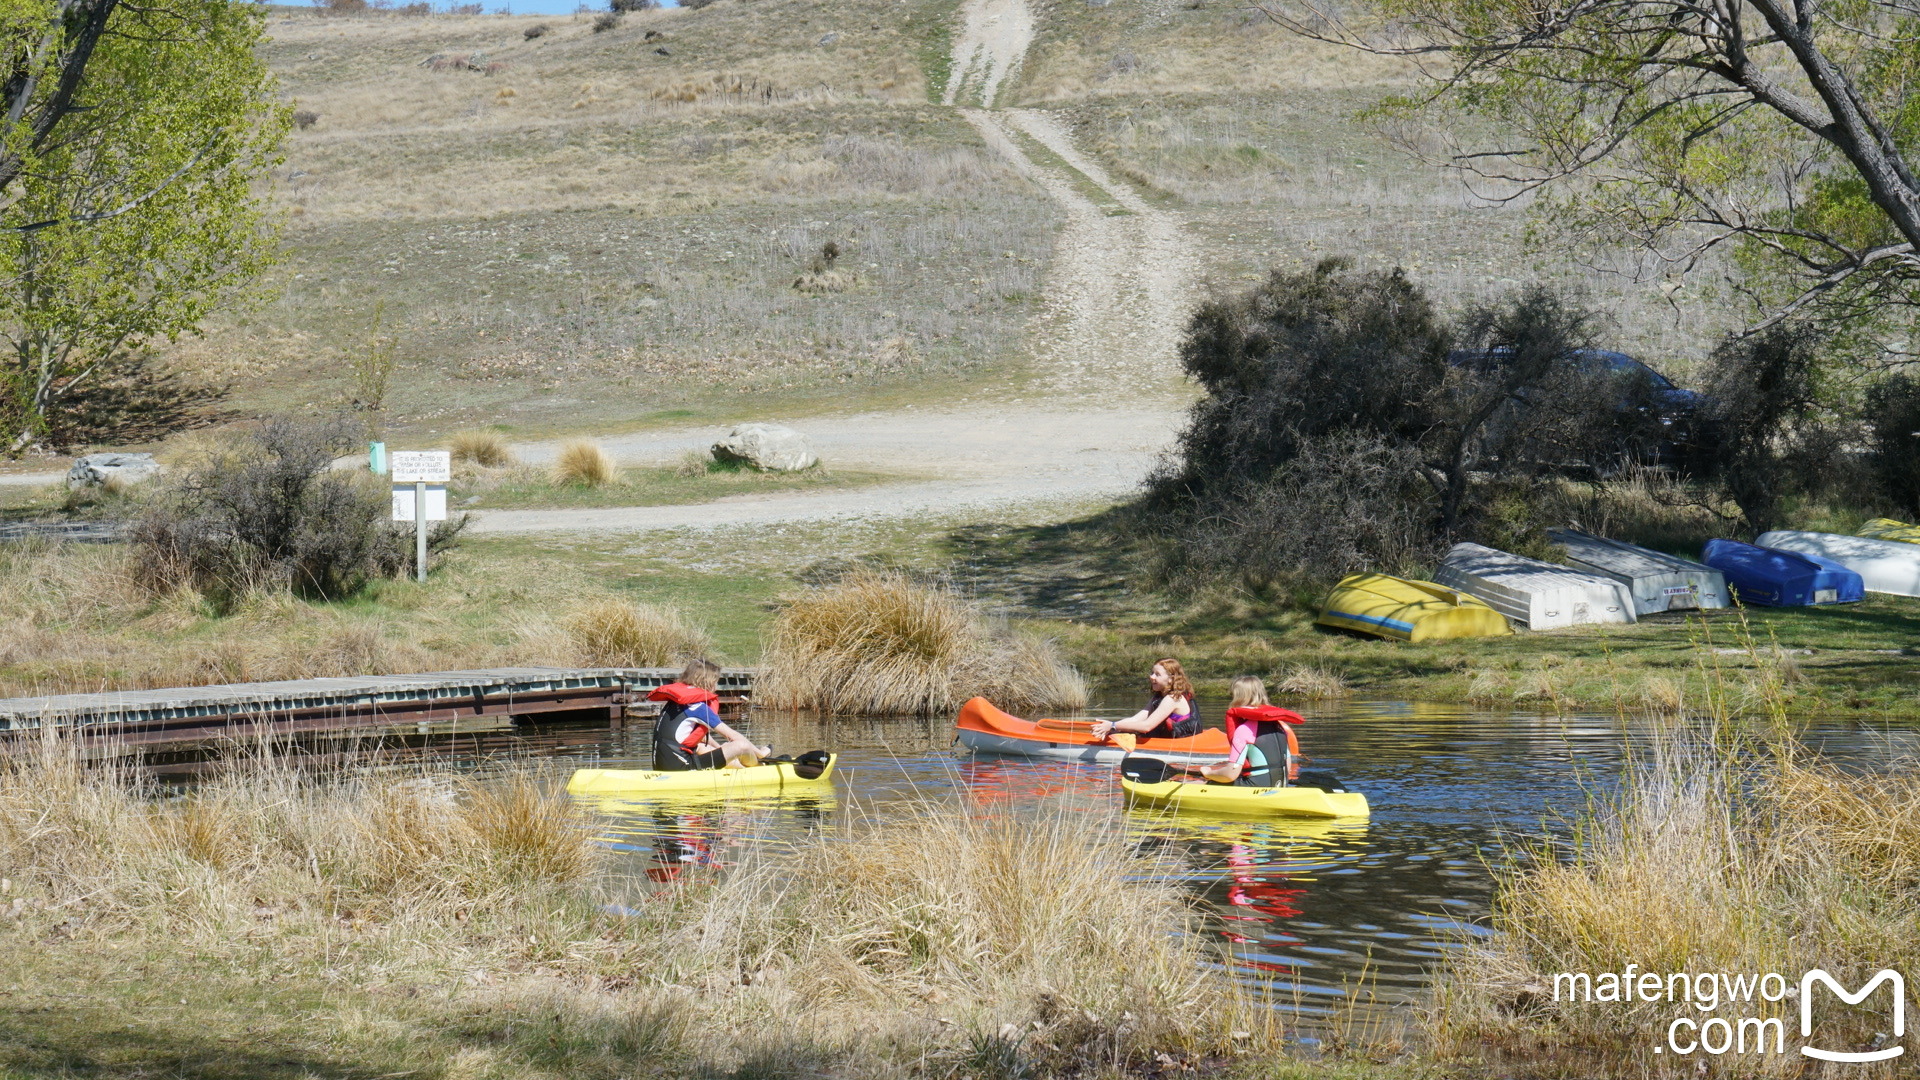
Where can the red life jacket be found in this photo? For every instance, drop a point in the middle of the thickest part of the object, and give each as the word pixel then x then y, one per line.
pixel 1264 718
pixel 682 694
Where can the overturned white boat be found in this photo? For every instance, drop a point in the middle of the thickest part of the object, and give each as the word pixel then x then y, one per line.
pixel 1656 580
pixel 1538 595
pixel 1884 566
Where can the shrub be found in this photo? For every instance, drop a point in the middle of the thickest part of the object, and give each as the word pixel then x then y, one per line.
pixel 269 512
pixel 305 118
pixel 1341 399
pixel 615 633
pixel 485 448
pixel 621 7
pixel 695 5
pixel 1773 434
pixel 879 642
pixel 537 30
pixel 1893 448
pixel 581 461
pixel 605 22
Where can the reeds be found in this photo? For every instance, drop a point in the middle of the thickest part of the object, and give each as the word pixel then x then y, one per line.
pixel 879 642
pixel 1724 853
pixel 934 938
pixel 1314 682
pixel 581 461
pixel 484 448
pixel 617 633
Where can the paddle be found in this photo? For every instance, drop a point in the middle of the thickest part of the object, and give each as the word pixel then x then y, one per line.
pixel 1145 770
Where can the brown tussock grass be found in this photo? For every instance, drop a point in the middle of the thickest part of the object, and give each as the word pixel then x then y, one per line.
pixel 481 447
pixel 1313 682
pixel 879 642
pixel 616 633
pixel 1722 854
pixel 475 896
pixel 581 461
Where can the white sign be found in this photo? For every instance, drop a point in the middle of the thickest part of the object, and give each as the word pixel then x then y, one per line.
pixel 403 502
pixel 414 466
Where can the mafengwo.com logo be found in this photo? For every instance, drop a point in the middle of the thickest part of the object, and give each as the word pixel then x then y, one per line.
pixel 1698 995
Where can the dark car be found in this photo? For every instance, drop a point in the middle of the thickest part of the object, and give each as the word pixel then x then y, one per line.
pixel 1673 432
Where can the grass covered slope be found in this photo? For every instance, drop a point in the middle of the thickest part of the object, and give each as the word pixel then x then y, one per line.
pixel 591 227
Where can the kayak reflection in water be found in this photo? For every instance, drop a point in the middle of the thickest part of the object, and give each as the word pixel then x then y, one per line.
pixel 683 840
pixel 683 736
pixel 1266 753
pixel 1168 715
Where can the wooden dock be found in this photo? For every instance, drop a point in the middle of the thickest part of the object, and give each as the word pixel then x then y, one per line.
pixel 431 703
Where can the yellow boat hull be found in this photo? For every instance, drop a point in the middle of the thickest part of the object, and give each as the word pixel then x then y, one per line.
pixel 1304 802
pixel 639 783
pixel 1402 609
pixel 1889 529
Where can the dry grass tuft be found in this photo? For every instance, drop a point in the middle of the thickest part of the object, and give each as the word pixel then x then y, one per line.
pixel 879 642
pixel 616 633
pixel 1313 682
pixel 581 461
pixel 482 447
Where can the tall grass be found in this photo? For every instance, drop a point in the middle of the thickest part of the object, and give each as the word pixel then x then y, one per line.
pixel 482 447
pixel 581 461
pixel 914 946
pixel 879 642
pixel 1722 853
pixel 616 633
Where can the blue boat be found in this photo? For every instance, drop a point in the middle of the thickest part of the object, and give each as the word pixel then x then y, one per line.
pixel 1777 578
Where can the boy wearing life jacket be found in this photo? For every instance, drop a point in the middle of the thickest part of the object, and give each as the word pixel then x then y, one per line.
pixel 1265 751
pixel 685 735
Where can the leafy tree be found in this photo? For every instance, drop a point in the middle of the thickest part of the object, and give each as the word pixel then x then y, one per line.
pixel 1780 131
pixel 129 172
pixel 1773 432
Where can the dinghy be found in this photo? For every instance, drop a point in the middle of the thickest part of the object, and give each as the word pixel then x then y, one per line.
pixel 1540 595
pixel 1889 529
pixel 1408 610
pixel 1758 575
pixel 1884 566
pixel 982 727
pixel 1656 580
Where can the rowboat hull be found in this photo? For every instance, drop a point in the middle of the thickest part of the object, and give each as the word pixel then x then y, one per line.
pixel 1103 754
pixel 641 783
pixel 1401 609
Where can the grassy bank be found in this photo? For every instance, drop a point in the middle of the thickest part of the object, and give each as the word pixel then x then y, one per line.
pixel 381 925
pixel 1725 853
pixel 533 488
pixel 1073 582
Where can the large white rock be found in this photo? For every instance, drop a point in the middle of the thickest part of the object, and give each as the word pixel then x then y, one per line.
pixel 98 470
pixel 766 446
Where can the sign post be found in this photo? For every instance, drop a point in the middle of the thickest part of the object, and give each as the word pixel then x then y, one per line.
pixel 420 468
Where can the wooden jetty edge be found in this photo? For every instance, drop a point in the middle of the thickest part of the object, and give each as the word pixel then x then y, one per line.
pixel 430 703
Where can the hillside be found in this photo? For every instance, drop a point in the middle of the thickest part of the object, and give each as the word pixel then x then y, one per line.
pixel 593 229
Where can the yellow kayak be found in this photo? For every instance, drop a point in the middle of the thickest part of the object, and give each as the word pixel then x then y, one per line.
pixel 1233 799
pixel 1408 610
pixel 1889 529
pixel 639 783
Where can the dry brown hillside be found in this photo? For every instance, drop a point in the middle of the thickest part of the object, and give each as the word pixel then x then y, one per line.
pixel 590 228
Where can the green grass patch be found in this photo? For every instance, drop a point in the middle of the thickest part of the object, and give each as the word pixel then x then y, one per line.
pixel 1042 155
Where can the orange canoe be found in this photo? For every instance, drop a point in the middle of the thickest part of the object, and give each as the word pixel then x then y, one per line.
pixel 985 728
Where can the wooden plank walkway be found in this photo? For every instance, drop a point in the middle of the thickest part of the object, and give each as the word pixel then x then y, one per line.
pixel 427 703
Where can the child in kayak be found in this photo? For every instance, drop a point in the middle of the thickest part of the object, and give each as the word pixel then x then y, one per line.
pixel 684 736
pixel 1262 738
pixel 1169 715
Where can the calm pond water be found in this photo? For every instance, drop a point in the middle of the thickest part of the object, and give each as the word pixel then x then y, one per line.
pixel 1309 910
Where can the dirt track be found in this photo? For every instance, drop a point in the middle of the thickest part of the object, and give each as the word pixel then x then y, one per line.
pixel 1120 283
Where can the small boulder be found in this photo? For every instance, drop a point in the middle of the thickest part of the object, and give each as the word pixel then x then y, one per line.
pixel 99 470
pixel 768 447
